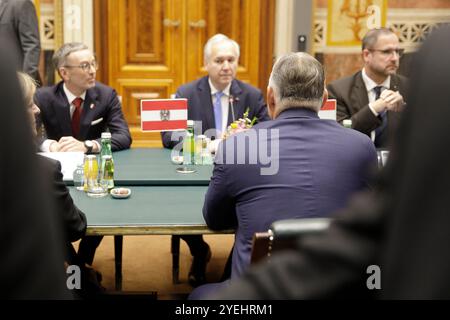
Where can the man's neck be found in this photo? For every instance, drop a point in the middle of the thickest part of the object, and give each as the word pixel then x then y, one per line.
pixel 377 78
pixel 218 87
pixel 75 91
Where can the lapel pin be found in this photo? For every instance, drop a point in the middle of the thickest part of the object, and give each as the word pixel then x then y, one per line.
pixel 91 106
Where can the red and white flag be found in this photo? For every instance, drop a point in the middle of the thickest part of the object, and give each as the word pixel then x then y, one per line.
pixel 328 110
pixel 163 114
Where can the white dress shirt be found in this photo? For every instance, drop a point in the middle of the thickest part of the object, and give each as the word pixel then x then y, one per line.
pixel 370 85
pixel 225 101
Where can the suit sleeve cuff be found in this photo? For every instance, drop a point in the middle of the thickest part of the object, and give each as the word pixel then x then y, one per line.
pixel 45 146
pixel 373 110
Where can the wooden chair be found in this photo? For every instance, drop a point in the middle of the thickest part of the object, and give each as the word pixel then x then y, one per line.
pixel 260 246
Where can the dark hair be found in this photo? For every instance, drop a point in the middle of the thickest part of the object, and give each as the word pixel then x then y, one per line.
pixel 371 37
pixel 60 56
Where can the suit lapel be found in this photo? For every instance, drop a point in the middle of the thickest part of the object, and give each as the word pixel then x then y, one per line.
pixel 61 108
pixel 358 95
pixel 393 117
pixel 2 8
pixel 207 110
pixel 238 104
pixel 87 116
pixel 394 83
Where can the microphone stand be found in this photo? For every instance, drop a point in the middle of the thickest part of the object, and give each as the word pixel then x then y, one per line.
pixel 232 107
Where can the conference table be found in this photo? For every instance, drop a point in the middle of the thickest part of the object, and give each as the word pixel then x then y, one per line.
pixel 162 202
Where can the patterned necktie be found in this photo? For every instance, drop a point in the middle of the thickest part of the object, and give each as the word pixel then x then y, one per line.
pixel 218 111
pixel 77 102
pixel 383 116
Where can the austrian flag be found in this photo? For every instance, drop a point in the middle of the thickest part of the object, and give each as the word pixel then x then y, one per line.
pixel 163 114
pixel 328 110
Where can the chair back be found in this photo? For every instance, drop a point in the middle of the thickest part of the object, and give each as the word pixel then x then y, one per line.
pixel 284 234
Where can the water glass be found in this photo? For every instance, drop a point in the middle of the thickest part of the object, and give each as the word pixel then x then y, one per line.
pixel 92 178
pixel 78 177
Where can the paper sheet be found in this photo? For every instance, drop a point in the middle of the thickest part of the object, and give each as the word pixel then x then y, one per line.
pixel 69 162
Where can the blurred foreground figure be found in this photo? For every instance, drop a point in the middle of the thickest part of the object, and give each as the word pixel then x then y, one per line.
pixel 403 227
pixel 31 246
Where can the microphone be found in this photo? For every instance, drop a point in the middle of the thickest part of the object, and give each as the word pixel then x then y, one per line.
pixel 232 99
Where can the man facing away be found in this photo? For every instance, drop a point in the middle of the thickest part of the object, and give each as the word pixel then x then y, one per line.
pixel 214 101
pixel 314 165
pixel 373 97
pixel 76 111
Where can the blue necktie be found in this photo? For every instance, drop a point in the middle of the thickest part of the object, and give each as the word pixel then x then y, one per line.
pixel 382 115
pixel 218 111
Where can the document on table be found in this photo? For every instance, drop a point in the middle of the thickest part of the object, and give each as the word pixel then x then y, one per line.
pixel 69 162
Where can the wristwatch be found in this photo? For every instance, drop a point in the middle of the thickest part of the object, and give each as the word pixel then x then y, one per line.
pixel 88 144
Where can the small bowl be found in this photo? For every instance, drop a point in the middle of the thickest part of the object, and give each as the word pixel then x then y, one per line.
pixel 120 193
pixel 177 159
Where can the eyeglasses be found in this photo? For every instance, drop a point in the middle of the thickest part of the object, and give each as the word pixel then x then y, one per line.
pixel 389 52
pixel 86 66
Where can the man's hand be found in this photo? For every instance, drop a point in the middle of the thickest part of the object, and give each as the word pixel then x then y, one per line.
pixel 54 146
pixel 393 99
pixel 389 100
pixel 70 144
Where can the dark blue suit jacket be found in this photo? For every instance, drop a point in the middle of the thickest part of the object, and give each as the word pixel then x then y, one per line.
pixel 55 114
pixel 200 106
pixel 320 164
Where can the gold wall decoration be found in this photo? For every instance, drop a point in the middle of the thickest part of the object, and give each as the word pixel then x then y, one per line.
pixel 349 20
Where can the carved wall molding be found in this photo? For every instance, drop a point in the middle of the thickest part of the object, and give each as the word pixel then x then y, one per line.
pixel 47 26
pixel 411 25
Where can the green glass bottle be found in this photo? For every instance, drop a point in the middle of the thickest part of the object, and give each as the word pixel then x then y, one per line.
pixel 107 163
pixel 189 144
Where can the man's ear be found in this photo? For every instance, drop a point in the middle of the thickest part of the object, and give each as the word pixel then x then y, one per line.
pixel 63 73
pixel 365 55
pixel 271 102
pixel 325 97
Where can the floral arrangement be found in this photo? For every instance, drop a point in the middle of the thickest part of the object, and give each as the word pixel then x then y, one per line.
pixel 240 125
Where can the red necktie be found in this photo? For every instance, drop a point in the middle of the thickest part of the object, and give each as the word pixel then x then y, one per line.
pixel 77 102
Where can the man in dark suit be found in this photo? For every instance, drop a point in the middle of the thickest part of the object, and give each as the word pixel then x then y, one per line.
pixel 76 111
pixel 19 33
pixel 403 227
pixel 214 101
pixel 373 97
pixel 315 165
pixel 211 114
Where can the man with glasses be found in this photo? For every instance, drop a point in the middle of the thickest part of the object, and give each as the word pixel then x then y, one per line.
pixel 373 97
pixel 78 109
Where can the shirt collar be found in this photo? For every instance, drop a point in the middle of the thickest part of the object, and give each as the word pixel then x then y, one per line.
pixel 70 96
pixel 225 91
pixel 370 84
pixel 298 112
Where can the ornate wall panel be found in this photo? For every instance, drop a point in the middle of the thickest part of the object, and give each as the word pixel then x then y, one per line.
pixel 411 26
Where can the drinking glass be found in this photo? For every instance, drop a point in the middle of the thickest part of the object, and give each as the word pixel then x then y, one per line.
pixel 78 177
pixel 92 178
